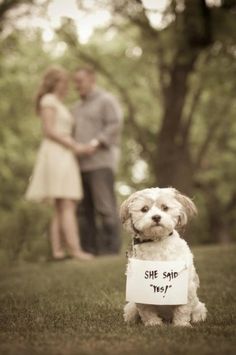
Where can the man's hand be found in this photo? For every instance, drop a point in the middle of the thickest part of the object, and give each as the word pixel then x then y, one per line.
pixel 95 143
pixel 84 149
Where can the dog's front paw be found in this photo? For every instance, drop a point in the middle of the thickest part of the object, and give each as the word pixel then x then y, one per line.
pixel 199 313
pixel 131 315
pixel 182 324
pixel 153 322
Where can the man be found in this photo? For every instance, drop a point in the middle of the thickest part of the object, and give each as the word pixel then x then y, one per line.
pixel 98 120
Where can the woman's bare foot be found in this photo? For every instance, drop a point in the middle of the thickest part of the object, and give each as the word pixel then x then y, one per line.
pixel 82 255
pixel 59 258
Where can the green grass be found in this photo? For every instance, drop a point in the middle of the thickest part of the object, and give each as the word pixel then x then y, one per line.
pixel 76 308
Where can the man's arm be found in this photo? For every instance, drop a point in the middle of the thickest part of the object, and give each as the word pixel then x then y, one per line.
pixel 73 114
pixel 112 122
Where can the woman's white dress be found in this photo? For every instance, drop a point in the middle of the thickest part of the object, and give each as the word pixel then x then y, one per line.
pixel 56 172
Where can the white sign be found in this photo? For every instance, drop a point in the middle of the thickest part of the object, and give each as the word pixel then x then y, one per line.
pixel 157 282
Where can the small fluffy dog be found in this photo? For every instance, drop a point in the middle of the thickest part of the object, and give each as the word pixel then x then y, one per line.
pixel 153 217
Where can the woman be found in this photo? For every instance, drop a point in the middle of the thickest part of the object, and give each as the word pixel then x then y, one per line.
pixel 56 173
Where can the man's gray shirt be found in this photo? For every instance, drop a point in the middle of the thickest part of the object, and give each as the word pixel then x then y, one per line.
pixel 98 116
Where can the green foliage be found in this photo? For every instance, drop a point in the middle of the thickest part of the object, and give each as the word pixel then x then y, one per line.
pixel 20 223
pixel 24 232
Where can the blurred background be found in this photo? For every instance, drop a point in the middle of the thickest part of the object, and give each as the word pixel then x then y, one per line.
pixel 172 65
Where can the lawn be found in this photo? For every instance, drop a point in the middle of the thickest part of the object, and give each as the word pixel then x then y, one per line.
pixel 76 308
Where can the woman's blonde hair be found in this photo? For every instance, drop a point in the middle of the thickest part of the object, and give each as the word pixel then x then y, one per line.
pixel 49 81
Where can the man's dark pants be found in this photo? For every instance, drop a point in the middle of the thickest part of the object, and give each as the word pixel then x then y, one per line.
pixel 98 218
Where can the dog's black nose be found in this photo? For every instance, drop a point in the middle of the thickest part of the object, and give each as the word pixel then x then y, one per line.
pixel 156 218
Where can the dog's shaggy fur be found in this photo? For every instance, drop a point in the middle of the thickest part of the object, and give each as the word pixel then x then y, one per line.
pixel 156 215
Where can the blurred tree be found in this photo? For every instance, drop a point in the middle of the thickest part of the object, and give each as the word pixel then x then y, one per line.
pixel 188 100
pixel 6 7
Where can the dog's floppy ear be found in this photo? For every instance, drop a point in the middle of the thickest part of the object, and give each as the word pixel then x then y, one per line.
pixel 124 208
pixel 189 208
pixel 124 211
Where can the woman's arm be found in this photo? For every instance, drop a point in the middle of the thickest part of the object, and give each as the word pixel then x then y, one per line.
pixel 48 122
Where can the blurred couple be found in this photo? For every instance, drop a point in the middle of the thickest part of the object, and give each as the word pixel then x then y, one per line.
pixel 75 164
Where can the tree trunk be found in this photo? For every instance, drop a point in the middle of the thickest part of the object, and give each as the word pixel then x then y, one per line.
pixel 217 217
pixel 218 228
pixel 173 165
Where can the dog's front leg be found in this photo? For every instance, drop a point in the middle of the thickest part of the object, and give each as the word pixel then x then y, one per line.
pixel 148 314
pixel 182 316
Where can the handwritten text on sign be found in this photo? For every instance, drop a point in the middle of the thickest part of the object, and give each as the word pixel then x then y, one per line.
pixel 157 282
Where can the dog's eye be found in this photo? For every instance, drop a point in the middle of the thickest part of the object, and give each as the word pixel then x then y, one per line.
pixel 164 208
pixel 144 208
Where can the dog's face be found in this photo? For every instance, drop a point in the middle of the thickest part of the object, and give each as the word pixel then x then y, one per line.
pixel 154 213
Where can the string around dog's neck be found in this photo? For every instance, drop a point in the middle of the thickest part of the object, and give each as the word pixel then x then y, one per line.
pixel 137 240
